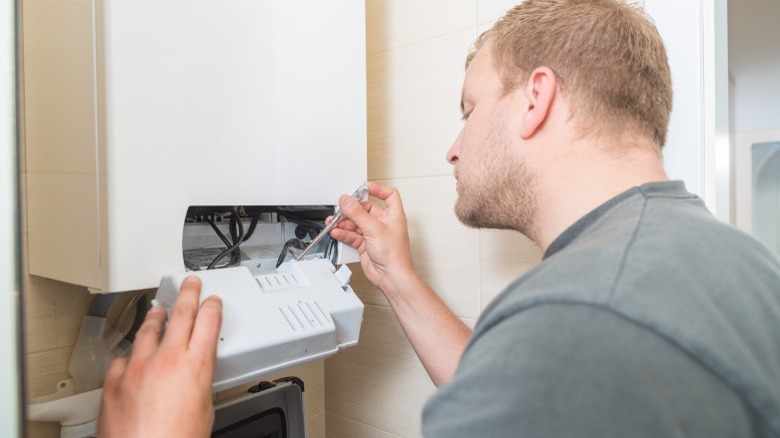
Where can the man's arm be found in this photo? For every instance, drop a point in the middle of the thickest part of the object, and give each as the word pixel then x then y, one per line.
pixel 382 238
pixel 164 388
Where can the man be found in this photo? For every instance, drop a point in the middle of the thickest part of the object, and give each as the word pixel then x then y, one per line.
pixel 646 317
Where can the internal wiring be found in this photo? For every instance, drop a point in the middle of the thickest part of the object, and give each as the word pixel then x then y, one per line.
pixel 252 225
pixel 332 250
pixel 236 228
pixel 219 232
pixel 235 220
pixel 239 236
pixel 292 243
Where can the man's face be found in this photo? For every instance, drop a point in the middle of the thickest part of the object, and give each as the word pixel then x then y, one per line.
pixel 495 187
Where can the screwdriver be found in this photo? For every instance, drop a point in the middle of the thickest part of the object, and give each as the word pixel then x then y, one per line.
pixel 360 195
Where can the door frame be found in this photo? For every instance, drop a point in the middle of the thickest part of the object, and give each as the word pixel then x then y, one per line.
pixel 11 369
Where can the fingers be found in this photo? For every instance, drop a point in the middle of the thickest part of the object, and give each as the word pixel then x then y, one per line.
pixel 115 370
pixel 347 224
pixel 148 337
pixel 351 238
pixel 355 212
pixel 207 325
pixel 388 194
pixel 366 216
pixel 183 314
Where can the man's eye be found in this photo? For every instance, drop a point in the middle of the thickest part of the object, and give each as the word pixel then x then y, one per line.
pixel 465 116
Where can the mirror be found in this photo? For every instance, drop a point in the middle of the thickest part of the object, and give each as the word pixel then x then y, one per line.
pixel 766 193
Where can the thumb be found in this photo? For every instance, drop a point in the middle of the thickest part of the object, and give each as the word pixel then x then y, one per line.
pixel 354 211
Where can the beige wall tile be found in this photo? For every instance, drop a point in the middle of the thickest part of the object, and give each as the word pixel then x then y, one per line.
pixel 343 427
pixel 44 369
pixel 43 430
pixel 445 252
pixel 365 290
pixel 52 317
pixel 40 334
pixel 53 312
pixel 504 256
pixel 413 106
pixel 394 23
pixel 380 382
pixel 488 11
pixel 471 322
pixel 40 309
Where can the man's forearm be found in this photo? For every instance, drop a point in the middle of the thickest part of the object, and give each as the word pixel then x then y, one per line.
pixel 437 335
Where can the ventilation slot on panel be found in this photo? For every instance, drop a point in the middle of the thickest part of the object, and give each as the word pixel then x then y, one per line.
pixel 304 316
pixel 272 282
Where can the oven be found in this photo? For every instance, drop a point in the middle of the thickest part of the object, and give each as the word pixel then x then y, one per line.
pixel 268 410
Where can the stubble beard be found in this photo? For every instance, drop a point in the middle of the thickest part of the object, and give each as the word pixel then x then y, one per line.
pixel 502 196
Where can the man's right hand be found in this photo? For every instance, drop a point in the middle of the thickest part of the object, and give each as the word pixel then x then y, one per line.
pixel 380 235
pixel 382 238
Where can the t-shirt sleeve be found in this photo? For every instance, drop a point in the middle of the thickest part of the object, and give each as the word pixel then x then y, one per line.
pixel 573 370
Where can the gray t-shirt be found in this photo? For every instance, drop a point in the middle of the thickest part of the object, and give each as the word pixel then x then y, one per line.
pixel 647 318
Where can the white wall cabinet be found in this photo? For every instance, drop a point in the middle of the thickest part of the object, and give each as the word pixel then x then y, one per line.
pixel 136 110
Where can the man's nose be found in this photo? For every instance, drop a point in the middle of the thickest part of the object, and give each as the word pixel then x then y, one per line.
pixel 454 152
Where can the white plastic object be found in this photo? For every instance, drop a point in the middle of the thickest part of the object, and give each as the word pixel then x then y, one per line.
pixel 84 430
pixel 343 274
pixel 346 254
pixel 77 414
pixel 91 355
pixel 301 312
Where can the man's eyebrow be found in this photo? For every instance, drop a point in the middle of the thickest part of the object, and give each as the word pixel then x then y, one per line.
pixel 462 107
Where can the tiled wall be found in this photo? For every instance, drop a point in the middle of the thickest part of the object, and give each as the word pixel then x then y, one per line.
pixel 52 317
pixel 416 54
pixel 52 313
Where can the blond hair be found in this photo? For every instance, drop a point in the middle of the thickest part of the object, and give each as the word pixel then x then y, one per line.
pixel 608 56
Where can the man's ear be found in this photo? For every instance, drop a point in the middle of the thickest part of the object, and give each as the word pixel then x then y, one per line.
pixel 540 92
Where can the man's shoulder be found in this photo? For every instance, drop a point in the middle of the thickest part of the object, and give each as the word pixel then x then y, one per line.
pixel 703 289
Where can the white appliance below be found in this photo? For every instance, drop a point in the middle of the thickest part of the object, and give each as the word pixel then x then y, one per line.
pixel 303 311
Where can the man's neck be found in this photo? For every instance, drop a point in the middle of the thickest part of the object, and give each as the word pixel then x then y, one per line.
pixel 575 184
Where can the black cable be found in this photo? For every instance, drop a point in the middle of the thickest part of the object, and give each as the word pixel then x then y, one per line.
pixel 235 221
pixel 219 232
pixel 332 250
pixel 305 222
pixel 292 243
pixel 233 228
pixel 236 243
pixel 233 237
pixel 252 225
